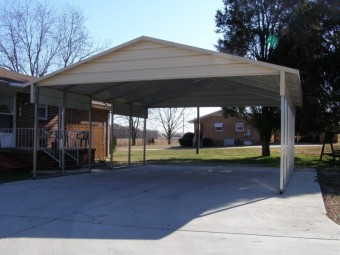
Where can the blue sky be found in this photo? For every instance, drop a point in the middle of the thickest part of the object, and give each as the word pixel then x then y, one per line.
pixel 190 22
pixel 183 21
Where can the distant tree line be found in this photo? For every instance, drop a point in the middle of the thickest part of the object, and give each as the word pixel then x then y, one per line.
pixel 121 131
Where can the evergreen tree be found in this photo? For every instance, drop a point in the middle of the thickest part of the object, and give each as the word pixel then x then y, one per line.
pixel 310 43
pixel 250 29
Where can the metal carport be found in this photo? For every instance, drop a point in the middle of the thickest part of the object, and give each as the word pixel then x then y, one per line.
pixel 151 73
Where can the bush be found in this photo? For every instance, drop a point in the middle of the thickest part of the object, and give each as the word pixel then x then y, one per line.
pixel 186 140
pixel 207 142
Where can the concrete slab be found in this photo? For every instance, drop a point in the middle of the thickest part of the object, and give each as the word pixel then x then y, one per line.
pixel 167 210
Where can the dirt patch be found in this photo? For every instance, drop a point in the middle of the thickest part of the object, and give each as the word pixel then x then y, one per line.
pixel 329 180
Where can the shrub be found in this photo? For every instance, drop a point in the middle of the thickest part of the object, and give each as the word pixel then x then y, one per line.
pixel 207 142
pixel 186 140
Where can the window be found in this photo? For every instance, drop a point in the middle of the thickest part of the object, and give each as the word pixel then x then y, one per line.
pixel 218 127
pixel 239 127
pixel 42 112
pixel 6 121
pixel 5 103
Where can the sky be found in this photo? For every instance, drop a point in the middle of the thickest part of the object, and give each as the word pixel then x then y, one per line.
pixel 190 22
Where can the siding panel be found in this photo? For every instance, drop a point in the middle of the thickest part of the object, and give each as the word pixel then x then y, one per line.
pixel 156 74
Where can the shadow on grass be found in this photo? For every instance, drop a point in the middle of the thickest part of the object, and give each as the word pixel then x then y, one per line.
pixel 251 161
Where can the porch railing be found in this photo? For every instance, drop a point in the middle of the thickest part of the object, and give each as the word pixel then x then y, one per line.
pixel 24 138
pixel 50 141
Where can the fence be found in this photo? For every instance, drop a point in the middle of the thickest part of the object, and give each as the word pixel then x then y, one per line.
pixel 99 138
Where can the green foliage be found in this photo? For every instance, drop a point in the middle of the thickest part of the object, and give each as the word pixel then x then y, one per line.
pixel 249 27
pixel 311 44
pixel 308 35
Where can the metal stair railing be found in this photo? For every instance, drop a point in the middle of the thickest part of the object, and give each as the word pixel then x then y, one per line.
pixel 54 154
pixel 71 152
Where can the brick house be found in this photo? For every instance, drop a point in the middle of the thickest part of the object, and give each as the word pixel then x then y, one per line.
pixel 227 131
pixel 17 121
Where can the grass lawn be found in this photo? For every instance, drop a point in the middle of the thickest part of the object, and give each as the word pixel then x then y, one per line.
pixel 305 157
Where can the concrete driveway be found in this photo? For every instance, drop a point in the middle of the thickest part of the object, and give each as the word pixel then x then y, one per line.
pixel 167 210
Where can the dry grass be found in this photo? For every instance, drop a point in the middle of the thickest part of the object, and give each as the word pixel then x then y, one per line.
pixel 159 143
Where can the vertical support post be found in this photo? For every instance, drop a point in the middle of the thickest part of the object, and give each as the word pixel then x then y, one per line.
pixel 283 130
pixel 130 128
pixel 63 133
pixel 112 131
pixel 198 140
pixel 15 139
pixel 287 133
pixel 283 148
pixel 58 136
pixel 285 143
pixel 35 90
pixel 144 136
pixel 292 137
pixel 289 141
pixel 90 134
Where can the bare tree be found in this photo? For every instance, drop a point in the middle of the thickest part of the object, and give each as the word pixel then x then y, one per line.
pixel 36 37
pixel 135 122
pixel 171 120
pixel 135 126
pixel 76 43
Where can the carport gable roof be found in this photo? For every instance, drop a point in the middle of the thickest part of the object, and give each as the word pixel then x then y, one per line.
pixel 151 73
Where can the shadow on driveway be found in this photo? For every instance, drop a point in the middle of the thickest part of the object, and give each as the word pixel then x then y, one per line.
pixel 155 201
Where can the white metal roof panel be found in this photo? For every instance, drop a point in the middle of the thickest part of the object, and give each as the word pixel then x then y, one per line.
pixel 148 72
